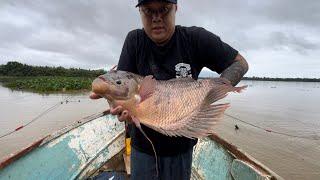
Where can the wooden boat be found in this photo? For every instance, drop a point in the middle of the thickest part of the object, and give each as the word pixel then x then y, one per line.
pixel 95 144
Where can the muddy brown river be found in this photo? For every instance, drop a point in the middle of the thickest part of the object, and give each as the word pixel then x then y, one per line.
pixel 289 109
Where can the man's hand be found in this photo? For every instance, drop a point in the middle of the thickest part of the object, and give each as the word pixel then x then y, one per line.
pixel 236 70
pixel 122 114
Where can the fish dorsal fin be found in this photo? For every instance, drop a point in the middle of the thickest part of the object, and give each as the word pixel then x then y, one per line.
pixel 147 87
pixel 201 124
pixel 202 121
pixel 215 94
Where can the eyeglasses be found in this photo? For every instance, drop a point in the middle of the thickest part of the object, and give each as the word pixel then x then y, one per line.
pixel 163 11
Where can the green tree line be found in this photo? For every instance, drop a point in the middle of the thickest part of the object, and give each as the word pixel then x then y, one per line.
pixel 14 68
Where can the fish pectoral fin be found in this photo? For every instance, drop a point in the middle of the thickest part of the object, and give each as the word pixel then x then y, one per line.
pixel 147 87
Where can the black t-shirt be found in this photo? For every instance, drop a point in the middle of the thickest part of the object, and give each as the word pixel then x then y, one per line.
pixel 188 51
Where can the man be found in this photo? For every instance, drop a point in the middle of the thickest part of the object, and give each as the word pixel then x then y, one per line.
pixel 167 51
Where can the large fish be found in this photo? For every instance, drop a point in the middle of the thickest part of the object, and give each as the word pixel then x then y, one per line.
pixel 176 107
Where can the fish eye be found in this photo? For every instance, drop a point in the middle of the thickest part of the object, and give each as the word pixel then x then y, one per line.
pixel 118 82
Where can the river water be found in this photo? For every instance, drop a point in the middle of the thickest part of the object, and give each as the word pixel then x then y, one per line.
pixel 287 109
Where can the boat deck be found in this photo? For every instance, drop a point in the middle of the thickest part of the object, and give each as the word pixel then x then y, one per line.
pixel 115 167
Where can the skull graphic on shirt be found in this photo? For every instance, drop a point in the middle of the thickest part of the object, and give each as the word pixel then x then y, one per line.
pixel 183 70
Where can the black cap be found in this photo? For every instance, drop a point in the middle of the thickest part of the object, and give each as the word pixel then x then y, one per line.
pixel 144 1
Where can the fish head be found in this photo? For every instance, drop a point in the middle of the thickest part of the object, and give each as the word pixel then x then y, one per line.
pixel 116 85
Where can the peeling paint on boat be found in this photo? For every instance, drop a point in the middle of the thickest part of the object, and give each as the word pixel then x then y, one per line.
pixel 71 154
pixel 97 129
pixel 209 154
pixel 95 163
pixel 215 158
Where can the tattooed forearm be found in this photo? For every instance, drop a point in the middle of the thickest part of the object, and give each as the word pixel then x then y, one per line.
pixel 236 71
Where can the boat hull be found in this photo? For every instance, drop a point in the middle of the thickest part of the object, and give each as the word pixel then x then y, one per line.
pixel 214 158
pixel 74 152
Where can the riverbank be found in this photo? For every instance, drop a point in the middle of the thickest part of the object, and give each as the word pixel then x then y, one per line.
pixel 44 79
pixel 47 84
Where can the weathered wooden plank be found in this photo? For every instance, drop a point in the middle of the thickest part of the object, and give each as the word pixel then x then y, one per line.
pixel 215 158
pixel 211 161
pixel 242 170
pixel 127 163
pixel 74 154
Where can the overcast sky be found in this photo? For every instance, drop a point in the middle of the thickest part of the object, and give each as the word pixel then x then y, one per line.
pixel 279 38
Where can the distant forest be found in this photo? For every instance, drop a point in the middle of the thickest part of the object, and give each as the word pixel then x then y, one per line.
pixel 14 68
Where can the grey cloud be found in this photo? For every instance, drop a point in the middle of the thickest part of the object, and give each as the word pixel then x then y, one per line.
pixel 255 11
pixel 73 28
pixel 90 34
pixel 290 11
pixel 93 16
pixel 300 44
pixel 252 24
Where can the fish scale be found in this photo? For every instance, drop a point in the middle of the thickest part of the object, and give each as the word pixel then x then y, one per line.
pixel 177 107
pixel 184 101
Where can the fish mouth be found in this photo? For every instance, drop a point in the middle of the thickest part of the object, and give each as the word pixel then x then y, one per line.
pixel 100 87
pixel 105 89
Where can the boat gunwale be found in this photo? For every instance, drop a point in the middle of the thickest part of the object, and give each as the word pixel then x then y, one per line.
pixel 239 154
pixel 48 138
pixel 85 166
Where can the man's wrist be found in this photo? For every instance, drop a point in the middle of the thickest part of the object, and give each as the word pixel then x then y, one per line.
pixel 236 70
